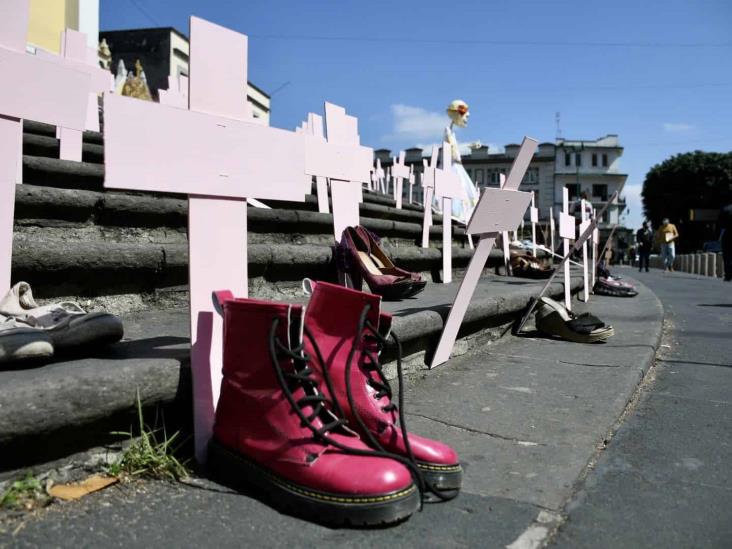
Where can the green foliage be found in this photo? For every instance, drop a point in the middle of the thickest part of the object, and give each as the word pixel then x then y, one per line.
pixel 148 457
pixel 687 181
pixel 24 493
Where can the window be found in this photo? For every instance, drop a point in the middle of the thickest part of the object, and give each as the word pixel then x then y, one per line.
pixel 531 176
pixel 567 159
pixel 600 191
pixel 594 159
pixel 606 216
pixel 494 176
pixel 479 177
pixel 574 191
pixel 578 159
pixel 604 160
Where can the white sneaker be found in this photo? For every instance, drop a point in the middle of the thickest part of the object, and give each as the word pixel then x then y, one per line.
pixel 21 341
pixel 66 322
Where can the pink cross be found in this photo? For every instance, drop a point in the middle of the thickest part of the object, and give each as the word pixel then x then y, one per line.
pixel 341 158
pixel 585 273
pixel 379 174
pixel 36 89
pixel 428 194
pixel 567 232
pixel 497 210
pixel 75 53
pixel 399 171
pixel 216 155
pixel 177 93
pixel 534 216
pixel 314 127
pixel 411 183
pixel 447 187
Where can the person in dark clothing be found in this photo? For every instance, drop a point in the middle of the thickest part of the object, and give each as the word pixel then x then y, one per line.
pixel 725 237
pixel 644 238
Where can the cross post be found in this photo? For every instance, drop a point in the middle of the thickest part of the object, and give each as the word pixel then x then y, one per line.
pixel 497 210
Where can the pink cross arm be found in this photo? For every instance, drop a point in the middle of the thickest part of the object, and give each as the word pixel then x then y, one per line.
pixel 500 210
pixel 223 157
pixel 177 93
pixel 476 224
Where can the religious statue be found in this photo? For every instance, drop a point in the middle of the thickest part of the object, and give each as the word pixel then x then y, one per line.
pixel 136 86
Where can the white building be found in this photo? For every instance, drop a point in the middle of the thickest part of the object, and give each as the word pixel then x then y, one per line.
pixel 580 165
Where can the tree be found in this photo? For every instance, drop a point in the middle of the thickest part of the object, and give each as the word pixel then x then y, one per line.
pixel 695 180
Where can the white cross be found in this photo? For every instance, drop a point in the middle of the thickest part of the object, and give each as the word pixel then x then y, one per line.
pixel 567 232
pixel 534 216
pixel 582 228
pixel 177 93
pixel 497 210
pixel 214 153
pixel 36 89
pixel 399 171
pixel 447 188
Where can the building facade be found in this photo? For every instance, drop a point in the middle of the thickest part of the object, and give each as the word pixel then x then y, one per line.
pixel 589 166
pixel 165 52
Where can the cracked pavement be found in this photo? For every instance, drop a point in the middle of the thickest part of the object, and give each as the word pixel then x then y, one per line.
pixel 526 415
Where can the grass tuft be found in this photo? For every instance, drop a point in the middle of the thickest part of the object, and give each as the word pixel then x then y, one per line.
pixel 148 457
pixel 24 494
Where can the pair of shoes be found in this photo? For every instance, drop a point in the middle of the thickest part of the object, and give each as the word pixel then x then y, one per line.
pixel 305 415
pixel 527 266
pixel 360 255
pixel 554 319
pixel 613 287
pixel 66 325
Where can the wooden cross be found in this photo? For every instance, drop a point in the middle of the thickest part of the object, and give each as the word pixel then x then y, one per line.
pixel 497 210
pixel 37 89
pixel 534 216
pixel 428 194
pixel 76 54
pixel 585 274
pixel 177 93
pixel 447 187
pixel 341 158
pixel 399 171
pixel 215 154
pixel 567 231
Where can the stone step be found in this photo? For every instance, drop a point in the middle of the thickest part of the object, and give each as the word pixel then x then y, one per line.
pixel 128 275
pixel 49 130
pixel 67 174
pixel 74 403
pixel 47 146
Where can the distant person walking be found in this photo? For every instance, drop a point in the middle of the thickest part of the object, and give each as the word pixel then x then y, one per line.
pixel 644 239
pixel 725 238
pixel 666 236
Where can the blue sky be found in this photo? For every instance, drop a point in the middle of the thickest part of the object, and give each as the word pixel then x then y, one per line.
pixel 657 73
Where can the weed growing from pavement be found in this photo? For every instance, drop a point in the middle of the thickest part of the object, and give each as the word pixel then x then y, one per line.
pixel 148 457
pixel 24 494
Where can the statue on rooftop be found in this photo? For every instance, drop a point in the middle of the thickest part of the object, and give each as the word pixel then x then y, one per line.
pixel 136 86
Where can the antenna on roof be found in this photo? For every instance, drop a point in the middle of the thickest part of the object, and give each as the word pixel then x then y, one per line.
pixel 557 117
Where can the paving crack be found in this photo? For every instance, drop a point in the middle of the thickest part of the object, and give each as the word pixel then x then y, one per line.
pixel 478 431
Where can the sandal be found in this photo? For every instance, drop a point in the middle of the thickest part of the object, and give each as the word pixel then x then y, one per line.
pixel 554 319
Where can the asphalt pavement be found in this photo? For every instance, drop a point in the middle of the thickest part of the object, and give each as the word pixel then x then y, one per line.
pixel 666 478
pixel 531 418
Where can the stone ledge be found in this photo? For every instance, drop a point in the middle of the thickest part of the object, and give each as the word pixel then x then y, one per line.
pixel 47 146
pixel 71 398
pixel 41 128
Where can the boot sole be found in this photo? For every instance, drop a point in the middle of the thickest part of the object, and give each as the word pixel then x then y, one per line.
pixel 446 478
pixel 322 507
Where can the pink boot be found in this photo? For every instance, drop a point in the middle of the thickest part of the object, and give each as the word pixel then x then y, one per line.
pixel 350 333
pixel 275 430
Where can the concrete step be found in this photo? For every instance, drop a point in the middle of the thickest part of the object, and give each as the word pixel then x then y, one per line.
pixel 47 146
pixel 49 130
pixel 50 411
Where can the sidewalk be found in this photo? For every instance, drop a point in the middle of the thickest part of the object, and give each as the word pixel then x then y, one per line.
pixel 525 414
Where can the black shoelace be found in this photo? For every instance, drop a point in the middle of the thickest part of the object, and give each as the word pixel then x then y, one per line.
pixel 322 407
pixel 383 389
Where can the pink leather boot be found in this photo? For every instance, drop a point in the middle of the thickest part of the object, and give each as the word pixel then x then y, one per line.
pixel 275 430
pixel 350 332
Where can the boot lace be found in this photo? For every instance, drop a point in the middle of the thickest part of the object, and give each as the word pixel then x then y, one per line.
pixel 323 408
pixel 366 330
